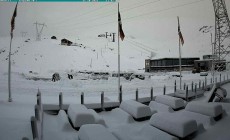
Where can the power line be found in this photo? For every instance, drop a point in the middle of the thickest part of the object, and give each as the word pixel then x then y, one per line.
pixel 140 5
pixel 93 11
pixel 159 11
pixel 141 15
pixel 83 14
pixel 109 15
pixel 139 49
pixel 141 44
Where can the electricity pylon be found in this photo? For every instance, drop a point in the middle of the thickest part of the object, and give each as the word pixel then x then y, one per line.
pixel 39 32
pixel 221 47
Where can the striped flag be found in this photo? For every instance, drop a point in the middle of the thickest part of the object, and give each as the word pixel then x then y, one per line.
pixel 122 35
pixel 13 20
pixel 179 33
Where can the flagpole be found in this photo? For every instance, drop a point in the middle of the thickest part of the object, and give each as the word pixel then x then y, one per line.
pixel 118 40
pixel 9 65
pixel 180 61
pixel 179 48
pixel 9 71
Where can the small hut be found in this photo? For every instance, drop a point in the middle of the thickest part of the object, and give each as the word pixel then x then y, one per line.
pixel 66 42
pixel 53 37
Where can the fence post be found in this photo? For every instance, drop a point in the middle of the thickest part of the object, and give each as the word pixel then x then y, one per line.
pixel 137 94
pixel 151 94
pixel 203 85
pixel 39 115
pixel 175 86
pixel 82 98
pixel 34 127
pixel 39 93
pixel 39 97
pixel 102 100
pixel 184 86
pixel 192 85
pixel 205 81
pixel 186 93
pixel 164 90
pixel 211 81
pixel 37 112
pixel 220 78
pixel 120 94
pixel 199 84
pixel 195 90
pixel 39 101
pixel 60 101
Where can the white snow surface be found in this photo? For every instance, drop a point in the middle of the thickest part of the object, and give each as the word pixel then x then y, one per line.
pixel 46 57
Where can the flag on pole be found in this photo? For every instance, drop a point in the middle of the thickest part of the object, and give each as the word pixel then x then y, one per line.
pixel 122 35
pixel 179 33
pixel 13 20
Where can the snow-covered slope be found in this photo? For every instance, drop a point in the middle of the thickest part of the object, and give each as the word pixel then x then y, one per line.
pixel 46 56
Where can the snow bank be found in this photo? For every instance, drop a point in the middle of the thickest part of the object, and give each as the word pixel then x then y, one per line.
pixel 179 126
pixel 146 132
pixel 117 117
pixel 95 132
pixel 158 107
pixel 58 127
pixel 202 120
pixel 208 109
pixel 173 102
pixel 136 109
pixel 80 115
pixel 98 119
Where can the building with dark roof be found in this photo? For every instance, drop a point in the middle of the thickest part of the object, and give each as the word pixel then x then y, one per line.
pixel 169 64
pixel 53 37
pixel 66 42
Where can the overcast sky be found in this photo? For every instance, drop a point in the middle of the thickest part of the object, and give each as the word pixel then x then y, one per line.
pixel 71 18
pixel 146 20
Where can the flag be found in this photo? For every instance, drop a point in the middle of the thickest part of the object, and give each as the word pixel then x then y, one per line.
pixel 179 33
pixel 122 35
pixel 13 20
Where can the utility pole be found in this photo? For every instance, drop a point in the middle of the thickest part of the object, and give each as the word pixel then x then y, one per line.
pixel 113 37
pixel 39 32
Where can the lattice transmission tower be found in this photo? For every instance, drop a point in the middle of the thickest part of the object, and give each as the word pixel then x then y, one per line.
pixel 39 32
pixel 221 48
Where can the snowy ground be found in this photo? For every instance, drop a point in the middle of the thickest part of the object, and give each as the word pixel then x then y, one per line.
pixel 15 117
pixel 43 58
pixel 72 89
pixel 46 57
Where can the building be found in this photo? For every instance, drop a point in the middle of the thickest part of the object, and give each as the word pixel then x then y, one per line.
pixel 66 42
pixel 53 37
pixel 169 64
pixel 209 57
pixel 203 65
pixel 206 63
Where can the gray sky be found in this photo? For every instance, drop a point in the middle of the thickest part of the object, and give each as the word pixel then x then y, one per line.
pixel 72 18
pixel 153 22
